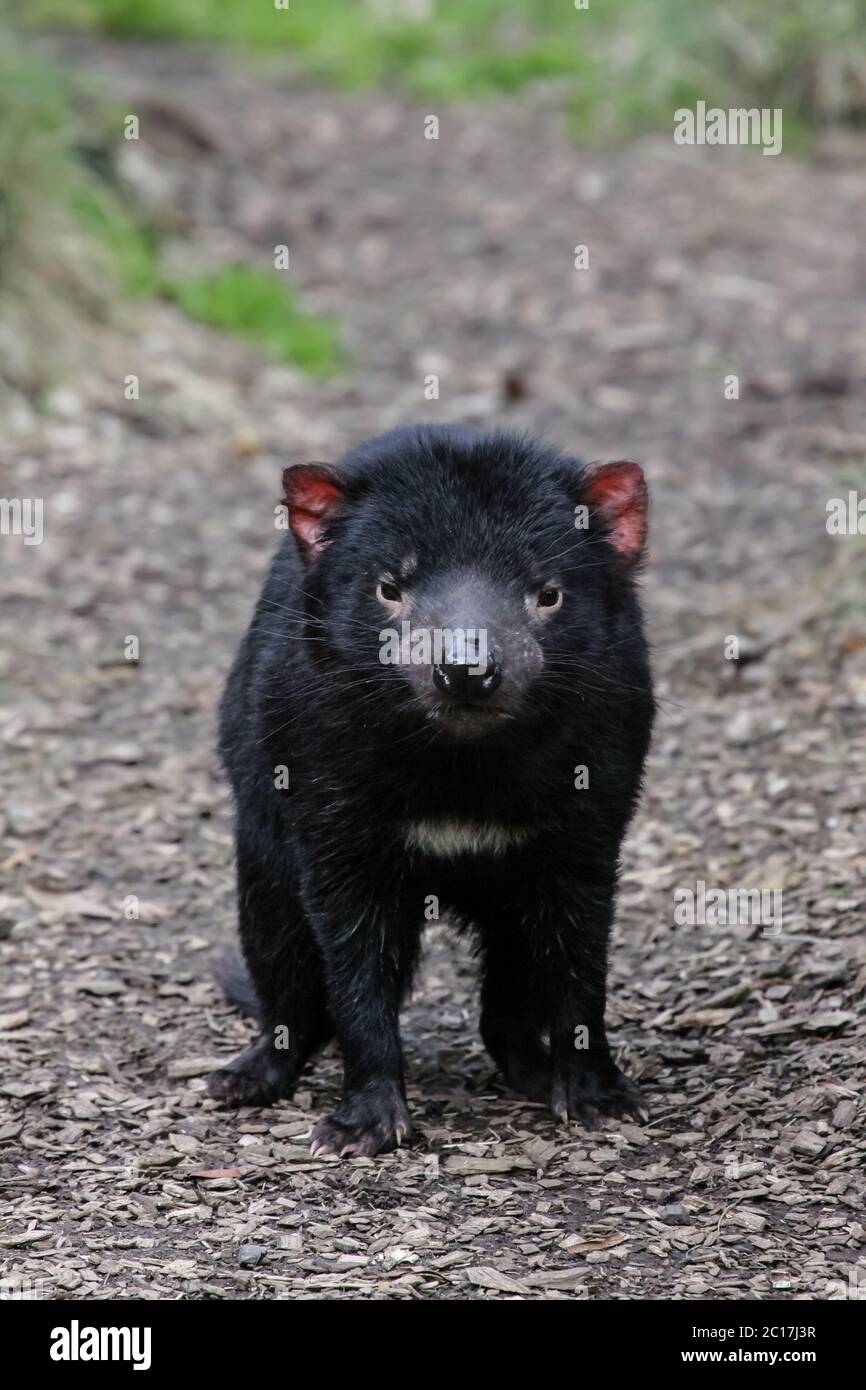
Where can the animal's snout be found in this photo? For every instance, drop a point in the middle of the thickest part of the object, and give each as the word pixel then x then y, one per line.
pixel 468 681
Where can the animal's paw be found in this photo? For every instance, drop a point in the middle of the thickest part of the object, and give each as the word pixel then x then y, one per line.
pixel 364 1123
pixel 526 1071
pixel 591 1093
pixel 258 1076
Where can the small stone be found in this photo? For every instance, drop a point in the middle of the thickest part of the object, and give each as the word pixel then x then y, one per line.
pixel 808 1143
pixel 749 1220
pixel 183 1068
pixel 844 1113
pixel 674 1215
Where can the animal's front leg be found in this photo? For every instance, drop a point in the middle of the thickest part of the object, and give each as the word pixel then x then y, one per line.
pixel 511 1025
pixel 573 927
pixel 369 946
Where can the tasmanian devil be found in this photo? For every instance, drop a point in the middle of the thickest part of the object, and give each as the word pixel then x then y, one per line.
pixel 442 706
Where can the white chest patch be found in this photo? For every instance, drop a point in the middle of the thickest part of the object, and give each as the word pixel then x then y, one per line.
pixel 448 838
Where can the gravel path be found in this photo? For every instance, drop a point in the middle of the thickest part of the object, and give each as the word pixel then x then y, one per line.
pixel 451 257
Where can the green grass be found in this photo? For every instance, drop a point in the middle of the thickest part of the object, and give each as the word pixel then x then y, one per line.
pixel 32 116
pixel 255 304
pixel 629 63
pixel 131 250
pixel 49 272
pixel 69 246
pixel 250 303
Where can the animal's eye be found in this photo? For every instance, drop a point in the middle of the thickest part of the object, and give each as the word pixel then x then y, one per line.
pixel 388 592
pixel 549 597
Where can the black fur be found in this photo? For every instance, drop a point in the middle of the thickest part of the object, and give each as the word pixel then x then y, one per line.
pixel 333 884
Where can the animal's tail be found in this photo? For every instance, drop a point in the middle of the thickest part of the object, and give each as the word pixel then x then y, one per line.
pixel 238 988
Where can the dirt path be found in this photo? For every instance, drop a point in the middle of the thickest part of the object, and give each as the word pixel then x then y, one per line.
pixel 452 257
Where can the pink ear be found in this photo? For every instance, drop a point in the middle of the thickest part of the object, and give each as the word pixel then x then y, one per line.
pixel 313 493
pixel 618 492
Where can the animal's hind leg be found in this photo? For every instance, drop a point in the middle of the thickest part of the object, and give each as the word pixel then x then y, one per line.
pixel 286 970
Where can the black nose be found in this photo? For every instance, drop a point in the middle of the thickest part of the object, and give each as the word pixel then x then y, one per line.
pixel 460 682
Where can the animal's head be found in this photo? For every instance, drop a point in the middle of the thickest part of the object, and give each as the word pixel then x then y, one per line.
pixel 467 581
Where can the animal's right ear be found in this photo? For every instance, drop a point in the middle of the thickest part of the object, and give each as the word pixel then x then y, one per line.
pixel 312 494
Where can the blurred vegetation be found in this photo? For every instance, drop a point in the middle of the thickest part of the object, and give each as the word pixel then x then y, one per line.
pixel 256 305
pixel 628 62
pixel 251 303
pixel 70 247
pixel 68 243
pixel 51 272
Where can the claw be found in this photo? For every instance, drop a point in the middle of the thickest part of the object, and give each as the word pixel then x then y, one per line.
pixel 361 1132
pixel 589 1098
pixel 321 1150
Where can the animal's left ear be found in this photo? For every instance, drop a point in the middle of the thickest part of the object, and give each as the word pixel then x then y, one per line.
pixel 313 494
pixel 617 492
